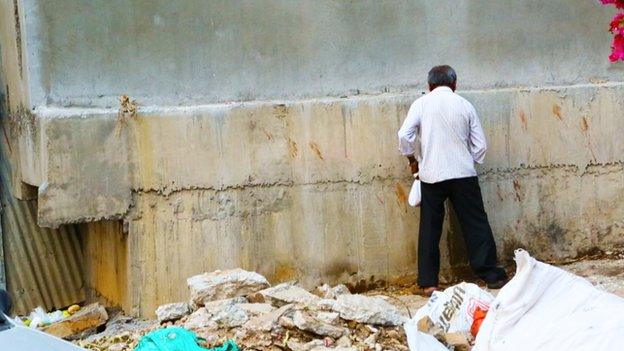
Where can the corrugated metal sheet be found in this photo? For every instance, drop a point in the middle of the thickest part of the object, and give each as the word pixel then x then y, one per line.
pixel 43 266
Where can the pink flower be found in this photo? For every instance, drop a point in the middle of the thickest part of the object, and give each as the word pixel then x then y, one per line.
pixel 618 3
pixel 617 24
pixel 617 48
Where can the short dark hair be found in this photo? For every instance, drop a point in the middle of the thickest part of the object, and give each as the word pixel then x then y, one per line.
pixel 442 75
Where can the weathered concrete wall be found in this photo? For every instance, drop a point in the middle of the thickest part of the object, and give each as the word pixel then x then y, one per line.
pixel 306 184
pixel 315 190
pixel 192 51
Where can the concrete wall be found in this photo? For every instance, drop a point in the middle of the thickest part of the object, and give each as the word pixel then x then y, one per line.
pixel 88 53
pixel 266 133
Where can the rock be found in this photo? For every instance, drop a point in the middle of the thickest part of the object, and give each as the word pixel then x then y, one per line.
pixel 215 306
pixel 286 322
pixel 368 309
pixel 88 317
pixel 459 341
pixel 267 322
pixel 200 319
pixel 328 317
pixel 226 284
pixel 230 316
pixel 287 293
pixel 328 292
pixel 254 309
pixel 322 305
pixel 344 341
pixel 306 322
pixel 172 311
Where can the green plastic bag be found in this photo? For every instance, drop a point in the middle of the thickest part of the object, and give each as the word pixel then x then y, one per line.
pixel 177 339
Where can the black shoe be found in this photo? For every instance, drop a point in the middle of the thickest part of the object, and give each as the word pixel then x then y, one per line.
pixel 497 284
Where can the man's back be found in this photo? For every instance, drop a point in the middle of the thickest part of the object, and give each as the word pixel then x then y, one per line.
pixel 450 136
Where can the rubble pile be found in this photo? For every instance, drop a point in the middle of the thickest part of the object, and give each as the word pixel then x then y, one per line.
pixel 242 306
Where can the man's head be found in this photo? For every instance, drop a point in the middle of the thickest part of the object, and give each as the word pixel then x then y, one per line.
pixel 442 76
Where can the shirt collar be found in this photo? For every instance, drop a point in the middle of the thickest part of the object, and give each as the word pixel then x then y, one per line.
pixel 442 88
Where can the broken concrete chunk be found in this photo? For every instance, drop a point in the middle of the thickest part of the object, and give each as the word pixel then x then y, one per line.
pixel 266 322
pixel 254 309
pixel 172 311
pixel 328 292
pixel 306 322
pixel 215 306
pixel 287 293
pixel 226 284
pixel 328 317
pixel 88 317
pixel 322 305
pixel 230 316
pixel 200 319
pixel 368 309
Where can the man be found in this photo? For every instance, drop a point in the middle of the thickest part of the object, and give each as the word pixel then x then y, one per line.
pixel 446 130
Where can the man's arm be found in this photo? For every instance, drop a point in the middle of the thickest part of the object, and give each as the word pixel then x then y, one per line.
pixel 478 145
pixel 408 135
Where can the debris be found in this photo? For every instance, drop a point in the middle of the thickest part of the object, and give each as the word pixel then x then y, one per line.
pixel 459 341
pixel 368 309
pixel 89 317
pixel 452 310
pixel 255 309
pixel 267 321
pixel 328 317
pixel 287 293
pixel 328 292
pixel 306 322
pixel 172 311
pixel 200 319
pixel 226 284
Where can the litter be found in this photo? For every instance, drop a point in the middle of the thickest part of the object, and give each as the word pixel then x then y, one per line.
pixel 546 308
pixel 177 339
pixel 452 310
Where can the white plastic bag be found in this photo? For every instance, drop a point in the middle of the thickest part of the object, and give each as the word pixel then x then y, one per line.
pixel 452 310
pixel 414 195
pixel 546 308
pixel 419 341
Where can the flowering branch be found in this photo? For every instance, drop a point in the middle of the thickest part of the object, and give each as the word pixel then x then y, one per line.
pixel 617 28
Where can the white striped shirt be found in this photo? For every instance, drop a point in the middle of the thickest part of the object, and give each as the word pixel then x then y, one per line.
pixel 442 130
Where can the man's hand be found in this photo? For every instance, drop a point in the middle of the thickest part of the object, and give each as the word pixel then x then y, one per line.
pixel 414 167
pixel 413 164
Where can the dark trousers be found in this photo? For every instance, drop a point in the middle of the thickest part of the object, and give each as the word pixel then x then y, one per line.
pixel 465 195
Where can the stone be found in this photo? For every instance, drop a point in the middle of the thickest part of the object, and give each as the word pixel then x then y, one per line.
pixel 459 341
pixel 230 316
pixel 368 309
pixel 254 309
pixel 172 311
pixel 328 317
pixel 344 341
pixel 322 305
pixel 200 319
pixel 220 285
pixel 215 306
pixel 118 347
pixel 306 322
pixel 287 293
pixel 328 292
pixel 88 317
pixel 267 322
pixel 286 322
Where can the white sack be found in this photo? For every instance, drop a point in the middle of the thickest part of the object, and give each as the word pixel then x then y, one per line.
pixel 452 310
pixel 546 308
pixel 419 341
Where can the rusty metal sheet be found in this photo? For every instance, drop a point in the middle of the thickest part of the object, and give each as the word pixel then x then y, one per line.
pixel 43 266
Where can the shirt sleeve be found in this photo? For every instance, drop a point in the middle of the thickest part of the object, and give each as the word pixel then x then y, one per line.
pixel 409 130
pixel 478 145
